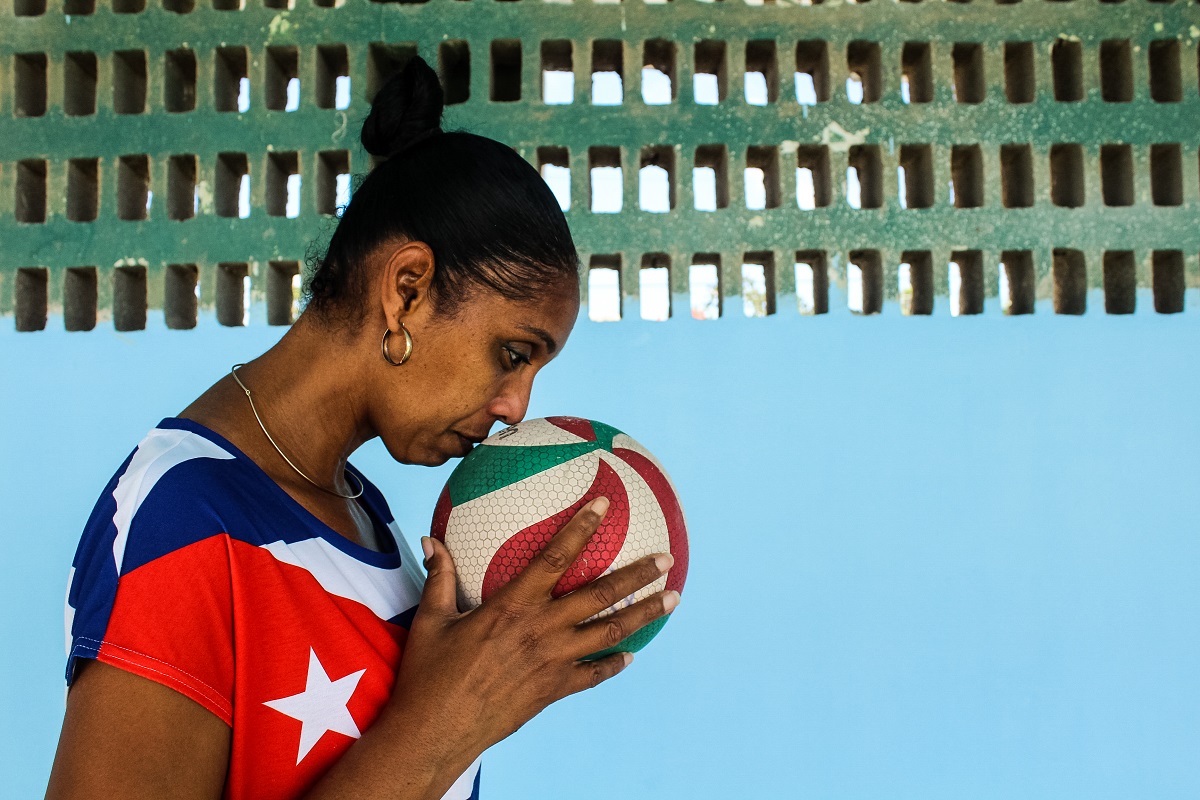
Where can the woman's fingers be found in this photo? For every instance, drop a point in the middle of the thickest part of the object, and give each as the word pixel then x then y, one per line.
pixel 607 591
pixel 539 578
pixel 610 631
pixel 439 594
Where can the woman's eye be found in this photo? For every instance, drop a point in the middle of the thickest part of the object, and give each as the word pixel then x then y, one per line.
pixel 515 358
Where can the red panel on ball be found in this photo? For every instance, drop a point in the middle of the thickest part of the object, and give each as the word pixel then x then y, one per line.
pixel 441 515
pixel 576 425
pixel 669 503
pixel 597 556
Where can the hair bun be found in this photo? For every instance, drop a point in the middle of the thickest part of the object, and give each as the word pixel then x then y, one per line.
pixel 407 110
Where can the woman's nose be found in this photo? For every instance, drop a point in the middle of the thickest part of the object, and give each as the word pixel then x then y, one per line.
pixel 512 402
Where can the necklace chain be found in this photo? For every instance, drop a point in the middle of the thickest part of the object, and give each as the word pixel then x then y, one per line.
pixel 348 474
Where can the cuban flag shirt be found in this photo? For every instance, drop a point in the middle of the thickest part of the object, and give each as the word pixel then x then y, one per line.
pixel 199 572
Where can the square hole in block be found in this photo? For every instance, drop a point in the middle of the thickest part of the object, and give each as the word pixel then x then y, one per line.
pixel 1070 281
pixel 762 72
pixel 1019 83
pixel 864 282
pixel 1166 174
pixel 181 296
pixel 966 282
pixel 1016 175
pixel 228 5
pixel 83 189
pixel 606 179
pixel 656 179
pixel 864 176
pixel 704 286
pixel 710 177
pixel 30 205
pixel 128 6
pixel 812 282
pixel 180 6
pixel 1120 282
pixel 231 79
pixel 916 73
pixel 1166 267
pixel 812 72
pixel 1165 80
pixel 182 199
pixel 710 81
pixel 332 76
pixel 608 72
pixel 233 294
pixel 454 64
pixel 658 72
pixel 79 8
pixel 654 287
pixel 762 177
pixel 29 8
pixel 604 288
pixel 970 85
pixel 865 84
pixel 282 88
pixel 283 185
pixel 814 188
pixel 80 297
pixel 129 82
pixel 32 298
pixel 1116 71
pixel 282 284
pixel 1116 174
pixel 558 72
pixel 133 187
pixel 29 84
pixel 1066 175
pixel 1066 64
pixel 914 282
pixel 915 176
pixel 333 181
pixel 385 60
pixel 129 298
pixel 554 165
pixel 79 84
pixel 506 70
pixel 1018 283
pixel 179 86
pixel 758 284
pixel 966 175
pixel 232 180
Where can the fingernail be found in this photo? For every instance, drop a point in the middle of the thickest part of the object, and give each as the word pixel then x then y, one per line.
pixel 664 561
pixel 628 659
pixel 670 600
pixel 600 505
pixel 427 547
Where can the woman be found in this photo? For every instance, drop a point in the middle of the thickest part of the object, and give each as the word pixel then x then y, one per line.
pixel 240 600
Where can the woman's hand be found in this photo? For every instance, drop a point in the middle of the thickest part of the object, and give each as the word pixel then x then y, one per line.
pixel 468 680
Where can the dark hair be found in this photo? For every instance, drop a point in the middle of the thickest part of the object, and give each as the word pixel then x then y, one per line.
pixel 486 213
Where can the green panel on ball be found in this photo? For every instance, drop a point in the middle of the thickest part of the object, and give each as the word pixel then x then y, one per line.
pixel 491 467
pixel 633 642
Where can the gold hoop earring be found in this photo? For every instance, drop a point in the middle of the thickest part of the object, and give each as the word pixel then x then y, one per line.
pixel 408 346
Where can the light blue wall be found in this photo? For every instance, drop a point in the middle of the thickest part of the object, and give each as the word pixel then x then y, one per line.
pixel 932 558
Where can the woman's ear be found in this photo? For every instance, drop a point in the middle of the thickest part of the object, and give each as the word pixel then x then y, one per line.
pixel 405 278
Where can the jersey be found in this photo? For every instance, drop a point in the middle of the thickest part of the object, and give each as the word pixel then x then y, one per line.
pixel 196 570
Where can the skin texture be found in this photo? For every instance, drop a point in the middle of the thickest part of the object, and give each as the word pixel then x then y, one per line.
pixel 322 393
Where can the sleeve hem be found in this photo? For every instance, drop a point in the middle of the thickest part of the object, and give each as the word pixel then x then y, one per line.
pixel 166 674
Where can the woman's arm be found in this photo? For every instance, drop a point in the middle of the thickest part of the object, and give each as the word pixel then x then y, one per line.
pixel 466 681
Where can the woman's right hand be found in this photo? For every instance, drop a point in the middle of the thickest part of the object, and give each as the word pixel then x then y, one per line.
pixel 468 680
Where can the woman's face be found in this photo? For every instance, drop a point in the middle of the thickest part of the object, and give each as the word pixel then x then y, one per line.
pixel 468 371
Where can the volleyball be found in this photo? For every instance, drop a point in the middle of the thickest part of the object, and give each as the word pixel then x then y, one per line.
pixel 508 497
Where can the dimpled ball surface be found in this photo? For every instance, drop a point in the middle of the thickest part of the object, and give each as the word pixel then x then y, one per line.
pixel 512 493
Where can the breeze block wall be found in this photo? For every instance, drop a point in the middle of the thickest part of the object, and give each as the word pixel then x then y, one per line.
pixel 1043 147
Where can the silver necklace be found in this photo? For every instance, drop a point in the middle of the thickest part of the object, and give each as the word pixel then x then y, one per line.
pixel 347 473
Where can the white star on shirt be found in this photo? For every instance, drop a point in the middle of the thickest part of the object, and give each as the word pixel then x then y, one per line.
pixel 321 706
